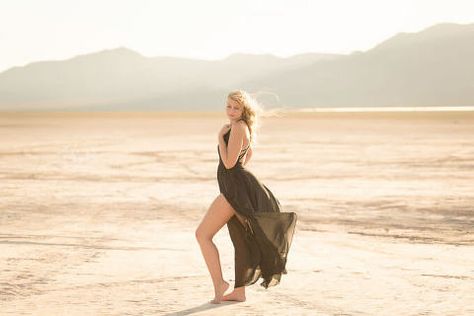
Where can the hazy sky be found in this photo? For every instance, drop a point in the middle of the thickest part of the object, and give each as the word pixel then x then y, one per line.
pixel 32 30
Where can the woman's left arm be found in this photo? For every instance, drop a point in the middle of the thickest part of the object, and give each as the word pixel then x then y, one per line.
pixel 230 153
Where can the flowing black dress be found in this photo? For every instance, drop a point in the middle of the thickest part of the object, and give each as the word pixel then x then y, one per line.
pixel 261 233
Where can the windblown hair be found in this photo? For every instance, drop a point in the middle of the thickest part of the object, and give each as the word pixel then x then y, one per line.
pixel 251 109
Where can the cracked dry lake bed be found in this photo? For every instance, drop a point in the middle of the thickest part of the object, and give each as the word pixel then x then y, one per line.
pixel 98 212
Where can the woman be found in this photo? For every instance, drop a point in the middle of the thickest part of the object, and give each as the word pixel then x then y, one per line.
pixel 260 232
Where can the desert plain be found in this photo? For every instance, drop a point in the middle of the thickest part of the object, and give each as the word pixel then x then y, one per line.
pixel 98 213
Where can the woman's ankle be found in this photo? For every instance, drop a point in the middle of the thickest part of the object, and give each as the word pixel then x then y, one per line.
pixel 240 289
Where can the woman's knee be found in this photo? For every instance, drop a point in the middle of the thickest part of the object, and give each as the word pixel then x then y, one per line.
pixel 217 215
pixel 201 235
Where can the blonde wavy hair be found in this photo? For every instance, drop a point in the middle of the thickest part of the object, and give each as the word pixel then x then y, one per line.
pixel 251 110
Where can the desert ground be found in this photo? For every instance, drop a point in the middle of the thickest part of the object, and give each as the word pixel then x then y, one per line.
pixel 98 213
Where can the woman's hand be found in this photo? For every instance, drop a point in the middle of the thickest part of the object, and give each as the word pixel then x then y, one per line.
pixel 224 130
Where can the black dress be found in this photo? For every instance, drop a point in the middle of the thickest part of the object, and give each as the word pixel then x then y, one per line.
pixel 261 233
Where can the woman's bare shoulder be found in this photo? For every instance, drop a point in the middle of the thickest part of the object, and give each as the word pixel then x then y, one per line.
pixel 239 128
pixel 243 127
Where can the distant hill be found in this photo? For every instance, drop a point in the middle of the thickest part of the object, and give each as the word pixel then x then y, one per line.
pixel 433 67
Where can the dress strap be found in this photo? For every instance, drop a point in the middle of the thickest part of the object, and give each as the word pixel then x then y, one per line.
pixel 244 150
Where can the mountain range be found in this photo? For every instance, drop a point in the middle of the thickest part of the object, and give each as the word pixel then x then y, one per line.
pixel 433 67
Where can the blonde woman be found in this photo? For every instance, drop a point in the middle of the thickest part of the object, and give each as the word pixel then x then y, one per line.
pixel 260 232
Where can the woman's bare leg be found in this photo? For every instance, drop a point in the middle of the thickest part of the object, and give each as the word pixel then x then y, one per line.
pixel 217 216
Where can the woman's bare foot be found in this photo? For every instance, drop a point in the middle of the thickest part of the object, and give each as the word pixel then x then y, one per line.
pixel 237 294
pixel 219 295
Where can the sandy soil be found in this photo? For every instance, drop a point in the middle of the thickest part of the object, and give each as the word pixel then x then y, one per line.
pixel 98 211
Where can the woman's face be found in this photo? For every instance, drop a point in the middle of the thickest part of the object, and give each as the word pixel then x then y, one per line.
pixel 233 110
